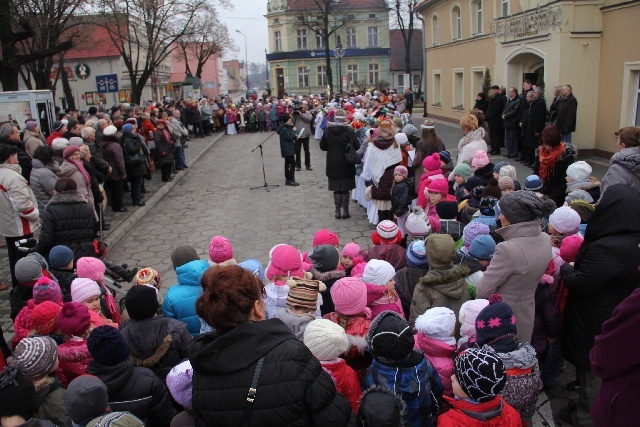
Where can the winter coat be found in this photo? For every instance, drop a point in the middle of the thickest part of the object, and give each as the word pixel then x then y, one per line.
pixel 70 170
pixel 180 300
pixel 624 169
pixel 341 174
pixel 50 402
pixel 159 343
pixel 261 116
pixel 416 384
pixel 328 278
pixel 379 300
pixel 346 380
pixel 301 121
pixel 516 267
pixel 590 185
pixel 556 184
pixel 136 390
pixel 98 162
pixel 469 145
pixel 615 358
pixel 164 147
pixel 441 355
pixel 287 138
pixel 292 389
pixel 400 198
pixel 356 328
pixel 24 160
pixel 205 112
pixel 19 215
pixel 510 113
pixel 495 108
pixel 112 154
pixel 406 280
pixel 273 113
pixel 440 288
pixel 32 140
pixel 536 119
pixel 43 179
pixel 193 115
pixel 94 182
pixel 546 324
pixel 131 145
pixel 605 273
pixel 485 173
pixel 424 148
pixel 567 114
pixel 68 220
pixel 297 323
pixel 74 358
pixel 148 129
pixel 392 253
pixel 64 279
pixel 494 413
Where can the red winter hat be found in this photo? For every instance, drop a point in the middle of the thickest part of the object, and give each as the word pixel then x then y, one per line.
pixel 387 232
pixel 439 186
pixel 325 237
pixel 432 162
pixel 74 319
pixel 44 318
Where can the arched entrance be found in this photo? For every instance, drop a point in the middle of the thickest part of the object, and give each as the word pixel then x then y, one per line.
pixel 525 63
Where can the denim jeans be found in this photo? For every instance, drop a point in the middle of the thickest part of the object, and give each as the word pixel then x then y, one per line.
pixel 136 189
pixel 178 155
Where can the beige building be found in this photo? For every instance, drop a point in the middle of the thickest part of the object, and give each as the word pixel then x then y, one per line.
pixel 593 45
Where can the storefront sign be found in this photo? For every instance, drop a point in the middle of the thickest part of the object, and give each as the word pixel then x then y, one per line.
pixel 528 23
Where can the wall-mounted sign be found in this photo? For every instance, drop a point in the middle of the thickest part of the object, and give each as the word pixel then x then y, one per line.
pixel 82 71
pixel 527 23
pixel 107 83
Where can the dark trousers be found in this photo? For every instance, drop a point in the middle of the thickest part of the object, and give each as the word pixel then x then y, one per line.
pixel 303 142
pixel 136 188
pixel 513 141
pixel 529 145
pixel 117 189
pixel 206 127
pixel 497 138
pixel 290 168
pixel 15 255
pixel 165 171
pixel 262 126
pixel 197 129
pixel 382 215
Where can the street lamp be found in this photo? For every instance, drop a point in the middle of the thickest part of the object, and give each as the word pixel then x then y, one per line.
pixel 339 52
pixel 246 61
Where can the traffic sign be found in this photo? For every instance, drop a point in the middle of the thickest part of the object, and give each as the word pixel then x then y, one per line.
pixel 107 83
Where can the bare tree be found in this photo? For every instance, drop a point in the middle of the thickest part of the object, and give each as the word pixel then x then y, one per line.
pixel 324 18
pixel 403 15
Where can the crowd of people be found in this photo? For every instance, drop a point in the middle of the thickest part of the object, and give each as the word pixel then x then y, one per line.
pixel 474 291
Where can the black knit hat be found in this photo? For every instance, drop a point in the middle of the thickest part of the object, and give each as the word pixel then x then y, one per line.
pixel 472 183
pixel 107 346
pixel 447 210
pixel 390 337
pixel 141 302
pixel 17 393
pixel 480 373
pixel 324 258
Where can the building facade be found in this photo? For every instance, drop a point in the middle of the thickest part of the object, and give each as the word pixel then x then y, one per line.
pixel 210 84
pixel 397 65
pixel 590 44
pixel 297 55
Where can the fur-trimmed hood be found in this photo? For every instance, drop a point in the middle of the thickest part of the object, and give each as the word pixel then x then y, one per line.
pixel 380 406
pixel 73 196
pixel 326 276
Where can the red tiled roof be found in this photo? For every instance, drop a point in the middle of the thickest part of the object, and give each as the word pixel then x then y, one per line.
pixel 396 42
pixel 94 42
pixel 343 4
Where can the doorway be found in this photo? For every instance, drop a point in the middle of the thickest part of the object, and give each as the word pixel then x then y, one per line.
pixel 280 82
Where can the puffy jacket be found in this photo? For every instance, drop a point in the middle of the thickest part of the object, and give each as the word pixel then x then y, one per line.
pixel 334 140
pixel 624 169
pixel 23 158
pixel 440 355
pixel 546 324
pixel 74 357
pixel 400 198
pixel 292 387
pixel 112 154
pixel 136 390
pixel 379 300
pixel 43 179
pixel 440 288
pixel 346 380
pixel 68 220
pixel 394 254
pixel 50 402
pixel 510 113
pixel 494 413
pixel 180 300
pixel 19 215
pixel 356 329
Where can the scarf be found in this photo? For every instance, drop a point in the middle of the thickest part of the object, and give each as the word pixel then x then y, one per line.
pixel 548 161
pixel 380 157
pixel 166 136
pixel 82 170
pixel 474 135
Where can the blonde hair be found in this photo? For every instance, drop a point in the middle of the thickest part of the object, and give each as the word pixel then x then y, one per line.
pixel 469 122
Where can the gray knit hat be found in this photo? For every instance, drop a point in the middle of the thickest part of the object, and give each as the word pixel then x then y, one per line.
pixel 182 255
pixel 35 356
pixel 28 269
pixel 523 206
pixel 87 398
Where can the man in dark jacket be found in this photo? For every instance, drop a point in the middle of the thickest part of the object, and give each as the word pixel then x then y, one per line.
pixel 408 98
pixel 99 163
pixel 494 119
pixel 130 388
pixel 526 97
pixel 536 120
pixel 287 149
pixel 567 112
pixel 10 136
pixel 510 119
pixel 112 153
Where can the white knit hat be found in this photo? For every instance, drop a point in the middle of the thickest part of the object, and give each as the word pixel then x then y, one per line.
pixel 83 289
pixel 387 229
pixel 325 339
pixel 565 220
pixel 401 138
pixel 437 323
pixel 378 272
pixel 579 171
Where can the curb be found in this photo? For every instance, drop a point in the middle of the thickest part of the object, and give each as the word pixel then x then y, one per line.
pixel 123 229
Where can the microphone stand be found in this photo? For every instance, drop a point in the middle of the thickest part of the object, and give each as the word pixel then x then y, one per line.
pixel 264 175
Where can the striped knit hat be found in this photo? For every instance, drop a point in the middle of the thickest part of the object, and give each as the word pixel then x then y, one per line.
pixel 36 356
pixel 304 292
pixel 387 232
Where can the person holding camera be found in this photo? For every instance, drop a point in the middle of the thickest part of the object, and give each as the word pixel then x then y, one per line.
pixel 301 122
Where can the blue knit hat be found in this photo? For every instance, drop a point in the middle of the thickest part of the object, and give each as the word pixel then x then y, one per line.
pixel 482 247
pixel 445 156
pixel 254 267
pixel 496 321
pixel 107 346
pixel 533 183
pixel 127 128
pixel 60 256
pixel 417 254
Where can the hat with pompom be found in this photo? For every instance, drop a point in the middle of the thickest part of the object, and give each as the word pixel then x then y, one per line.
pixel 220 249
pixel 495 321
pixel 432 162
pixel 74 319
pixel 46 289
pixel 326 340
pixel 387 232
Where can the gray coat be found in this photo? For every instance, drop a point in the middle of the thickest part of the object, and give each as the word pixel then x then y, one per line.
pixel 43 179
pixel 303 120
pixel 515 270
pixel 624 169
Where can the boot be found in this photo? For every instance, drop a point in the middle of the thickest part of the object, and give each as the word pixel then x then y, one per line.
pixel 345 206
pixel 337 199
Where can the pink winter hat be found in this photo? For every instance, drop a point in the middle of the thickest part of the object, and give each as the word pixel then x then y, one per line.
pixel 325 237
pixel 91 268
pixel 46 289
pixel 570 247
pixel 220 249
pixel 285 261
pixel 349 296
pixel 83 289
pixel 439 186
pixel 351 250
pixel 467 316
pixel 480 159
pixel 432 162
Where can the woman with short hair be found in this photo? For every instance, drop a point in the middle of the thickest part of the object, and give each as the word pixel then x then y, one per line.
pixel 553 159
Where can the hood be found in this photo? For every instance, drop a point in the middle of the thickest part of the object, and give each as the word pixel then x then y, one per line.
pixel 326 275
pixel 441 251
pixel 382 143
pixel 483 412
pixel 618 212
pixel 114 377
pixel 448 282
pixel 433 347
pixel 191 273
pixel 73 196
pixel 380 406
pixel 148 337
pixel 464 258
pixel 629 159
pixel 523 357
pixel 44 387
pixel 215 354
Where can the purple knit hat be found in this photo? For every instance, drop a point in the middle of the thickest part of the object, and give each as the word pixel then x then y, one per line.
pixel 473 230
pixel 74 319
pixel 46 289
pixel 220 249
pixel 179 383
pixel 349 296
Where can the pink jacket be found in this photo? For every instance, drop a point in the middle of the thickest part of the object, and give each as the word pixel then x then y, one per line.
pixel 74 358
pixel 358 267
pixel 440 355
pixel 379 301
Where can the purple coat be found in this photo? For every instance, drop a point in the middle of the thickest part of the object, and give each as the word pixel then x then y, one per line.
pixel 615 357
pixel 546 323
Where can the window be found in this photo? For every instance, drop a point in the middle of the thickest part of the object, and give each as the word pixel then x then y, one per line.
pixel 374 74
pixel 505 8
pixel 319 42
pixel 416 81
pixel 278 40
pixel 352 73
pixel 276 21
pixel 303 76
pixel 477 24
pixel 436 31
pixel 436 92
pixel 372 15
pixel 373 36
pixel 322 75
pixel 477 75
pixel 301 36
pixel 351 37
pixel 458 89
pixel 456 23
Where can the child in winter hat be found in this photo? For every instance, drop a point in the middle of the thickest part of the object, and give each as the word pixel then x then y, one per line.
pixel 351 260
pixel 478 380
pixel 326 259
pixel 496 332
pixel 570 247
pixel 94 269
pixel 477 258
pixel 46 289
pixel 487 212
pixel 27 271
pixel 87 292
pixel 563 222
pixel 302 304
pixel 327 341
pixel 381 407
pixel 467 318
pixel 254 266
pixel 180 385
pixel 107 346
pixel 221 251
pixel 17 396
pixel 44 317
pixel 407 277
pixel 473 230
pixel 512 173
pixel 480 160
pixel 326 237
pixel 74 321
pixel 506 184
pixel 86 399
pixel 435 339
pixel 386 244
pixel 379 277
pixel 397 366
pixel 61 260
pixel 285 261
pixel 387 233
pixel 460 173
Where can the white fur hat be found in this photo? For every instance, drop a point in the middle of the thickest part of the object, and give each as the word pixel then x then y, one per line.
pixel 437 323
pixel 579 171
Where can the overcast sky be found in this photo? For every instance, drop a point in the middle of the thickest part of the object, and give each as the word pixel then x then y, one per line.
pixel 248 17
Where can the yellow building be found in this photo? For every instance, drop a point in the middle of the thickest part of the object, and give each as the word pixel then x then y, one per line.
pixel 593 45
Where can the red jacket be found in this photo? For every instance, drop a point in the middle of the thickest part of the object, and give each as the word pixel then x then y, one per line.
pixel 356 328
pixel 147 130
pixel 347 382
pixel 54 135
pixel 494 413
pixel 74 358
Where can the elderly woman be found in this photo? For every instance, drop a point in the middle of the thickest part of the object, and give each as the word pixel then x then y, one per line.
pixel 43 176
pixel 472 140
pixel 248 357
pixel 164 150
pixel 625 164
pixel 341 174
pixel 32 137
pixel 73 168
pixel 520 261
pixel 428 144
pixel 554 157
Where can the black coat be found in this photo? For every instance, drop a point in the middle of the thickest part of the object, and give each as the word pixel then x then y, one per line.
pixel 23 158
pixel 493 115
pixel 292 389
pixel 95 177
pixel 482 105
pixel 400 198
pixel 98 162
pixel 287 138
pixel 334 140
pixel 136 390
pixel 536 118
pixel 605 273
pixel 164 148
pixel 132 144
pixel 511 113
pixel 68 220
pixel 567 112
pixel 485 173
pixel 555 185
